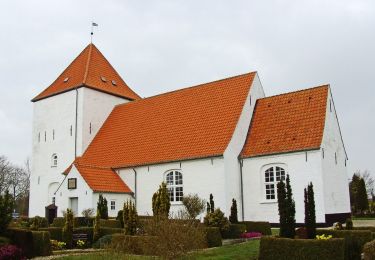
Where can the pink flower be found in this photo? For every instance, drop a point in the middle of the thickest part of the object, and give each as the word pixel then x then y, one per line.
pixel 251 235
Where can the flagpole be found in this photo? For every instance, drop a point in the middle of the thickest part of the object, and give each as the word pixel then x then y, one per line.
pixel 92 30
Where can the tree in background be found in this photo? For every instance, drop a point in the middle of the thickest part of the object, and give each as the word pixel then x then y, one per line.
pixel 161 202
pixel 193 205
pixel 130 217
pixel 287 209
pixel 6 207
pixel 96 232
pixel 102 207
pixel 310 217
pixel 233 218
pixel 369 181
pixel 68 229
pixel 358 194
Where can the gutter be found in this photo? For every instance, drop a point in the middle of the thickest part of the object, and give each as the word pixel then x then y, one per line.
pixel 242 202
pixel 135 187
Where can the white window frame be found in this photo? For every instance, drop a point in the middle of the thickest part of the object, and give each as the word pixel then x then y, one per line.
pixel 175 185
pixel 54 160
pixel 271 175
pixel 114 205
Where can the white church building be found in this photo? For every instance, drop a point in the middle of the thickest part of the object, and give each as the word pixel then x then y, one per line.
pixel 93 135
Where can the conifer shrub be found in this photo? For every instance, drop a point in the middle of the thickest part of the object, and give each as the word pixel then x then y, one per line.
pixel 96 234
pixel 120 217
pixel 348 224
pixel 130 218
pixel 295 249
pixel 68 229
pixel 258 226
pixel 310 217
pixel 286 206
pixel 217 219
pixel 161 201
pixel 233 218
pixel 6 207
pixel 102 207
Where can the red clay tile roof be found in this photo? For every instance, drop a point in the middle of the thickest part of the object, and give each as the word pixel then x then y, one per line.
pixel 288 122
pixel 87 70
pixel 191 123
pixel 102 179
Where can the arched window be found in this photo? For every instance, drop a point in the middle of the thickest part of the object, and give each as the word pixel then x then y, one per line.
pixel 272 176
pixel 174 184
pixel 54 160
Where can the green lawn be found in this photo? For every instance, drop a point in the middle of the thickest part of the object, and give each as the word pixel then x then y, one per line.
pixel 246 250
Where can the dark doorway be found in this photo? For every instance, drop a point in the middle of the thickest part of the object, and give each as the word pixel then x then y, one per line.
pixel 51 212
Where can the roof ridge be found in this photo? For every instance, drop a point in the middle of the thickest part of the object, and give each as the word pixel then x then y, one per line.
pixel 186 88
pixel 296 91
pixel 87 64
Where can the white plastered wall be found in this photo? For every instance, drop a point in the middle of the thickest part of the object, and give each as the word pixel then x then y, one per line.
pixel 200 176
pixel 334 170
pixel 232 166
pixel 56 115
pixel 301 172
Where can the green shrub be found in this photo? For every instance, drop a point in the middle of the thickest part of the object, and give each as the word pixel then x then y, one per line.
pixel 102 242
pixel 217 219
pixel 161 202
pixel 354 240
pixel 234 231
pixel 258 226
pixel 110 223
pixel 58 222
pixel 68 229
pixel 120 217
pixel 369 251
pixel 55 232
pixel 295 249
pixel 41 243
pixel 139 245
pixel 83 222
pixel 213 237
pixel 89 231
pixel 102 207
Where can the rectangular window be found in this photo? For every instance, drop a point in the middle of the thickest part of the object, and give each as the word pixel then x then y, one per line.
pixel 72 183
pixel 179 193
pixel 113 205
pixel 39 137
pixel 71 130
pixel 45 136
pixel 53 134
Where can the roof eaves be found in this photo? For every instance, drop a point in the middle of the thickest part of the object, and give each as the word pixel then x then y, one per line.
pixel 281 153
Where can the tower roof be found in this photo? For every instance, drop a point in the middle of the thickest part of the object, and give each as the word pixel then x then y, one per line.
pixel 92 70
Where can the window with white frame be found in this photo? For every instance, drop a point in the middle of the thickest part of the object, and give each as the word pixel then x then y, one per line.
pixel 175 185
pixel 272 176
pixel 113 205
pixel 54 160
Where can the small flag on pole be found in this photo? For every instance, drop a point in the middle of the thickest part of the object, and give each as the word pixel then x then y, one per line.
pixel 92 29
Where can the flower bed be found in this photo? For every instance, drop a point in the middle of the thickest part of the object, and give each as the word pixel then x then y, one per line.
pixel 251 235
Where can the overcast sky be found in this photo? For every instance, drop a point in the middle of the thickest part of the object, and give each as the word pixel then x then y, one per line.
pixel 158 46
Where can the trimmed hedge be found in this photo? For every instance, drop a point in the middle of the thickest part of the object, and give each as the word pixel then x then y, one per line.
pixel 55 232
pixel 42 221
pixel 258 226
pixel 4 241
pixel 213 237
pixel 102 242
pixel 83 222
pixel 32 243
pixel 354 240
pixel 234 231
pixel 58 222
pixel 110 223
pixel 369 228
pixel 369 251
pixel 109 231
pixel 295 249
pixel 41 243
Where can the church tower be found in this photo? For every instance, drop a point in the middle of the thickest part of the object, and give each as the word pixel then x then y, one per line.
pixel 66 117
